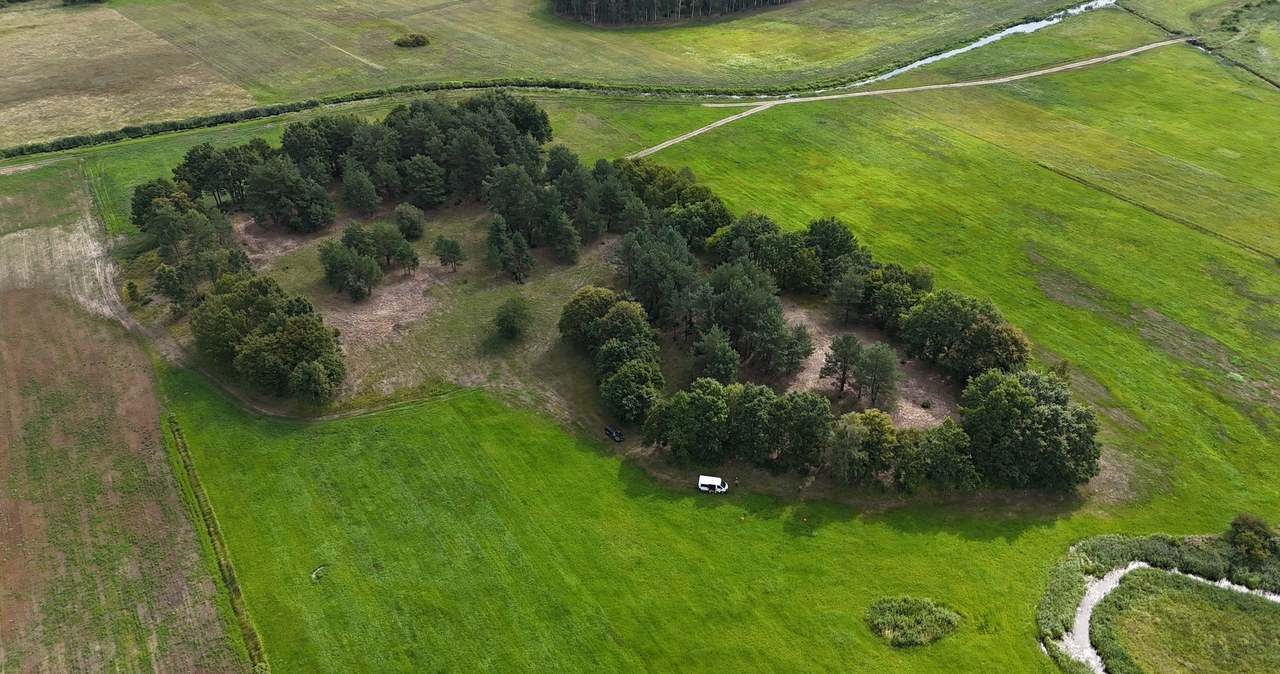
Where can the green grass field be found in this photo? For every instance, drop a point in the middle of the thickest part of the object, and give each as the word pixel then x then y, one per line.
pixel 1095 33
pixel 83 70
pixel 1008 192
pixel 463 534
pixel 1160 622
pixel 1123 216
pixel 280 51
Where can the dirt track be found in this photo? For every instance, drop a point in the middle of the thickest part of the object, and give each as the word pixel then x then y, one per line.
pixel 756 106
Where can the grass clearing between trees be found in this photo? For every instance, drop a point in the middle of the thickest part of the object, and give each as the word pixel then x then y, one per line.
pixel 1156 621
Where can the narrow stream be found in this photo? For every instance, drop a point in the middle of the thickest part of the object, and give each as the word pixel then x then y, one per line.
pixel 1019 29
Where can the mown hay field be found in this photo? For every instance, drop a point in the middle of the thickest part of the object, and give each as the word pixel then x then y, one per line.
pixel 70 71
pixel 82 70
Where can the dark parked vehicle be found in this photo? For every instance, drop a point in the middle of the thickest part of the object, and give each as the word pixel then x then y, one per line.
pixel 613 433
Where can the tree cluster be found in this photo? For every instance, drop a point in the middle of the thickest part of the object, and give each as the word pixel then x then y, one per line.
pixel 275 342
pixel 871 372
pixel 649 11
pixel 711 422
pixel 1252 538
pixel 1018 428
pixel 616 331
pixel 355 264
pixel 194 240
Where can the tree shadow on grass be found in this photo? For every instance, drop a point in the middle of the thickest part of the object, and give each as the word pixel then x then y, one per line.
pixel 985 516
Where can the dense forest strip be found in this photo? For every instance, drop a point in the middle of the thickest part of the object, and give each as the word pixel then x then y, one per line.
pixel 621 12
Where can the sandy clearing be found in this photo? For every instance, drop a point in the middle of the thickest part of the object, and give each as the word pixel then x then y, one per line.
pixel 922 380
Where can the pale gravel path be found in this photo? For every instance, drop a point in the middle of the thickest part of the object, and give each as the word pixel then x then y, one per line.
pixel 1077 643
pixel 754 107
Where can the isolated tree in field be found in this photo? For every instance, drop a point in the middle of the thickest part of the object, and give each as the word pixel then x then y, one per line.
pixel 411 221
pixel 876 372
pixel 842 361
pixel 587 305
pixel 714 356
pixel 520 262
pixel 424 181
pixel 358 191
pixel 1024 430
pixel 448 251
pixel 847 292
pixel 132 293
pixel 513 318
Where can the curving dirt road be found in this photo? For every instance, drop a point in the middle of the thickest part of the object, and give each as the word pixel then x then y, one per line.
pixel 755 106
pixel 1078 644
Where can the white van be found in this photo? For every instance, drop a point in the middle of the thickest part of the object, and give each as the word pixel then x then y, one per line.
pixel 712 485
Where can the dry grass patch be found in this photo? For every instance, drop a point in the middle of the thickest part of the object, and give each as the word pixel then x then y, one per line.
pixel 102 568
pixel 86 70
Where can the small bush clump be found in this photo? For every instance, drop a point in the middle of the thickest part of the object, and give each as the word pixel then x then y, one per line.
pixel 412 41
pixel 910 621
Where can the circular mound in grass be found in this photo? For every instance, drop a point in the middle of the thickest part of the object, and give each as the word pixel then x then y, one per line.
pixel 910 621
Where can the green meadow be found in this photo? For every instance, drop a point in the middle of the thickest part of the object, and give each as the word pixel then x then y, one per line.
pixel 1122 215
pixel 461 534
pixel 283 51
pixel 1159 622
pixel 1065 199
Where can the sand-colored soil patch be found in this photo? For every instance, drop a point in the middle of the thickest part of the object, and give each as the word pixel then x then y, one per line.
pixel 922 381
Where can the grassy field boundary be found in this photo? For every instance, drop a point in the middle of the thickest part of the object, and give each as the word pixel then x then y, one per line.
pixel 524 83
pixel 208 523
pixel 1209 557
pixel 1157 212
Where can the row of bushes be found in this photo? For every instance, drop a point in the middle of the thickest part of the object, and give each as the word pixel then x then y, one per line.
pixel 1245 555
pixel 227 570
pixel 153 128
